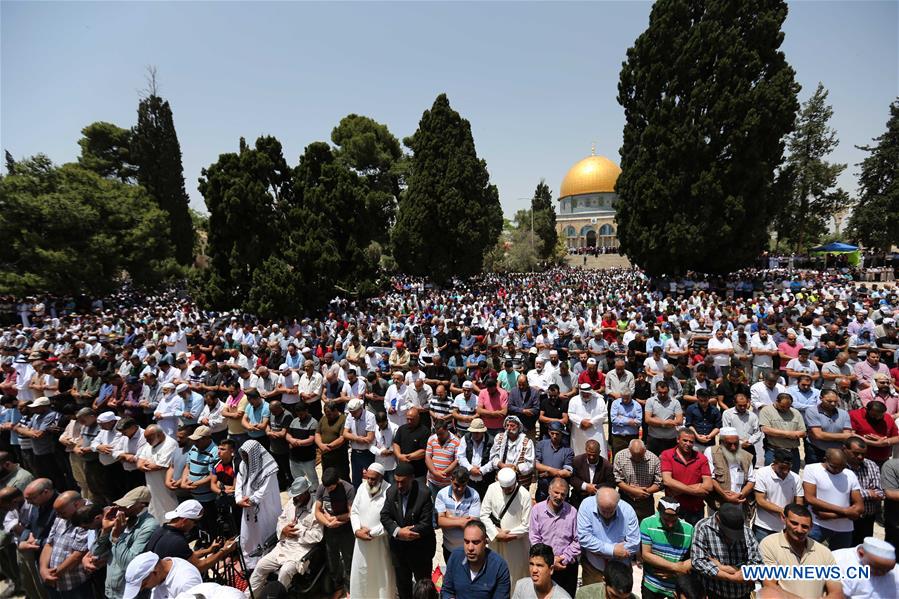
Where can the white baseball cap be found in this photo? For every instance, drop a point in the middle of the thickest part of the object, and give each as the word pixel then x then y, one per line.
pixel 190 509
pixel 139 568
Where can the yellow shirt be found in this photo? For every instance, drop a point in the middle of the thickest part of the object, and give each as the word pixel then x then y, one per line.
pixel 776 551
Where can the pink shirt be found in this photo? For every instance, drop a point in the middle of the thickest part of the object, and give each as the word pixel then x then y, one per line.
pixel 891 401
pixel 497 400
pixel 865 372
pixel 790 350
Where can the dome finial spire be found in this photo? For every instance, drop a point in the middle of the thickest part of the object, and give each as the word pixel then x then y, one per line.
pixel 593 149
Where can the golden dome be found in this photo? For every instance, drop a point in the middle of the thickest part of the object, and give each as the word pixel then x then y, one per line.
pixel 593 174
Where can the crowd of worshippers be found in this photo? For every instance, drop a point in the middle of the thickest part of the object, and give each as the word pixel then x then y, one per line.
pixel 556 429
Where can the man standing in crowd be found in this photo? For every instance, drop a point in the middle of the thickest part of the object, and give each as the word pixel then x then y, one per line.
pixel 587 413
pixel 880 557
pixel 301 444
pixel 663 415
pixel 554 522
pixel 553 460
pixel 475 449
pixel 868 475
pixel 590 471
pixel 835 497
pixel 889 475
pixel 407 516
pixel 828 426
pixel 626 417
pixel 722 543
pixel 608 530
pixel 506 513
pixel 475 571
pixel 411 443
pixel 154 460
pixel 877 428
pixel 333 501
pixel 440 457
pixel 794 547
pixel 124 534
pixel 733 477
pixel 686 476
pixel 666 541
pixel 638 474
pixel 776 486
pixel 359 431
pixel 456 505
pixel 512 449
pixel 371 574
pixel 783 427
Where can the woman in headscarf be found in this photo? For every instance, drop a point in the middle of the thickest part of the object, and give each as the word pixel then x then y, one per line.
pixel 256 490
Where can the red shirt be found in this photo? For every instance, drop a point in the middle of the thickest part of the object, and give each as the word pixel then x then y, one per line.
pixel 596 379
pixel 687 473
pixel 885 428
pixel 610 336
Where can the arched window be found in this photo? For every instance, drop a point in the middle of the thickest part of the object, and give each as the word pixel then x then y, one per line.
pixel 570 231
pixel 586 229
pixel 606 230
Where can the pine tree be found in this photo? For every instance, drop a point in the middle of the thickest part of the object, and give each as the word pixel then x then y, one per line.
pixel 156 152
pixel 545 218
pixel 106 150
pixel 450 215
pixel 707 97
pixel 875 221
pixel 813 198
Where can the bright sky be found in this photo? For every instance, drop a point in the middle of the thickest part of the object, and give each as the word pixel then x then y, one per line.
pixel 537 81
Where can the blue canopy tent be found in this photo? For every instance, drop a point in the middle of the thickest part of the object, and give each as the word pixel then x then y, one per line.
pixel 837 247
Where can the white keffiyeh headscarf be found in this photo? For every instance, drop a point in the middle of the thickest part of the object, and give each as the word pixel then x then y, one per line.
pixel 256 466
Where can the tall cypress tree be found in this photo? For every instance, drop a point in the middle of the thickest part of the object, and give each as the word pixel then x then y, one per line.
pixel 157 153
pixel 875 221
pixel 708 97
pixel 814 197
pixel 450 215
pixel 545 218
pixel 243 193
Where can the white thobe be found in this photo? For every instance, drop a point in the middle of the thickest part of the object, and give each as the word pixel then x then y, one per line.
pixel 162 499
pixel 170 409
pixel 371 574
pixel 516 521
pixel 594 411
pixel 130 445
pixel 259 521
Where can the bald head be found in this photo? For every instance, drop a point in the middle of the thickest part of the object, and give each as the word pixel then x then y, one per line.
pixel 637 449
pixel 607 502
pixel 67 504
pixel 39 491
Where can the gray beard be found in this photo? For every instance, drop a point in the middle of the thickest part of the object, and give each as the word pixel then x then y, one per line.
pixel 731 457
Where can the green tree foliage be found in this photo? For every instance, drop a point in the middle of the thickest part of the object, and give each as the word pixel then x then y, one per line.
pixel 106 150
pixel 67 230
pixel 545 218
pixel 813 198
pixel 156 152
pixel 369 149
pixel 10 163
pixel 875 220
pixel 450 214
pixel 707 97
pixel 242 191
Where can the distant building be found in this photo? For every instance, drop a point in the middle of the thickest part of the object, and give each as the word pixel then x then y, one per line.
pixel 586 213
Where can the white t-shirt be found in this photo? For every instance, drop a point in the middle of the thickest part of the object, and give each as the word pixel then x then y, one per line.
pixel 876 587
pixel 835 489
pixel 211 590
pixel 715 344
pixel 182 576
pixel 779 492
pixel 759 360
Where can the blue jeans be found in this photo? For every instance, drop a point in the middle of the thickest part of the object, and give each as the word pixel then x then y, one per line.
pixel 769 458
pixel 835 540
pixel 760 533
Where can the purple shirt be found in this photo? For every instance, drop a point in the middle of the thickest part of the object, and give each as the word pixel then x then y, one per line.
pixel 559 531
pixel 865 372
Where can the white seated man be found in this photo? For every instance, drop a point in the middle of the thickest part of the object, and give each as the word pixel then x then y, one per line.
pixel 298 533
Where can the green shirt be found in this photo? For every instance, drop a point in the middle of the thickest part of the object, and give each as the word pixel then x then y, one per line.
pixel 672 545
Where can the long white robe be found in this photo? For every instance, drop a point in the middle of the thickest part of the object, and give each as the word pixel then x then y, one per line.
pixel 515 521
pixel 371 573
pixel 595 411
pixel 162 499
pixel 259 521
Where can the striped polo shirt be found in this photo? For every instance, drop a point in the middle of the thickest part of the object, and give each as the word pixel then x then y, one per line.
pixel 441 456
pixel 199 464
pixel 672 545
pixel 466 408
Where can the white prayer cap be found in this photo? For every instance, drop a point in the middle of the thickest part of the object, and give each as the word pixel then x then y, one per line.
pixel 285 367
pixel 139 568
pixel 376 467
pixel 168 385
pixel 354 404
pixel 728 431
pixel 591 362
pixel 107 417
pixel 181 388
pixel 585 387
pixel 506 477
pixel 879 548
pixel 467 385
